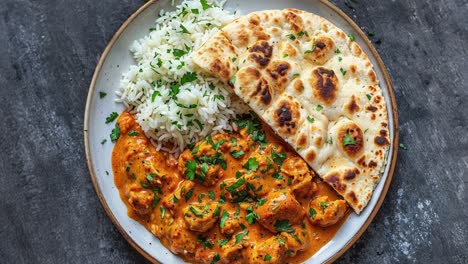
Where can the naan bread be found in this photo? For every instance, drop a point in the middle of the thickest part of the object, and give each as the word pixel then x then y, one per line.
pixel 314 86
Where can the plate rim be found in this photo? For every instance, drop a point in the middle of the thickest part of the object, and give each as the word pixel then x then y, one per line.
pixel 393 109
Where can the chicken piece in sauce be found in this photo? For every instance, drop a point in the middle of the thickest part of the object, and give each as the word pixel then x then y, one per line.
pixel 324 212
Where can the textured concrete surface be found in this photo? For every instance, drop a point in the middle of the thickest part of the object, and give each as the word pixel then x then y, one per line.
pixel 49 212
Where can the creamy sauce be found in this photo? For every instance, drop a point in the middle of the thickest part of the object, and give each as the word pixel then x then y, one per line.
pixel 189 216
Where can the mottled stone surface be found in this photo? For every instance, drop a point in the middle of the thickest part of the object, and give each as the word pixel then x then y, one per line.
pixel 51 214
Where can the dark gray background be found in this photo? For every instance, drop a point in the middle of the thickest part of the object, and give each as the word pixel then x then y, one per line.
pixel 49 212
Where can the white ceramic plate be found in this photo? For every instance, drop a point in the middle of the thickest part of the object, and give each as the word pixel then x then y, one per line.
pixel 116 59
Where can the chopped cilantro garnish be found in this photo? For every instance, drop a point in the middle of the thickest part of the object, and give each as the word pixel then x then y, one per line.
pixel 195 11
pixel 237 154
pixel 319 107
pixel 102 94
pixel 184 29
pixel 189 194
pixel 252 164
pixel 179 53
pixel 133 133
pixel 240 236
pixel 103 141
pixel 324 205
pixel 368 96
pixel 278 158
pixel 232 188
pixel 351 37
pixel 222 242
pixel 281 241
pixel 342 71
pixel 211 195
pixel 348 140
pixel 111 117
pixel 267 256
pixel 337 51
pixel 155 94
pixel 163 211
pixel 312 213
pixel 115 134
pixel 216 258
pixel 195 211
pixel 224 217
pixel 188 77
pixel 191 167
pixel 150 176
pixel 155 201
pixel 205 4
pixel 310 119
pixel 261 202
pixel 195 150
pixel 276 175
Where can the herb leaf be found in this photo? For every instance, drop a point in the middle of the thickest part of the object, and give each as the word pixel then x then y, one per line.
pixel 240 236
pixel 235 185
pixel 188 77
pixel 102 94
pixel 252 164
pixel 205 4
pixel 191 167
pixel 189 194
pixel 312 213
pixel 195 211
pixel 115 134
pixel 324 205
pixel 278 158
pixel 224 217
pixel 111 117
pixel 348 140
pixel 283 226
pixel 237 154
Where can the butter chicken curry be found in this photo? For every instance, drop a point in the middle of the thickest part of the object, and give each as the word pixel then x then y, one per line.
pixel 236 197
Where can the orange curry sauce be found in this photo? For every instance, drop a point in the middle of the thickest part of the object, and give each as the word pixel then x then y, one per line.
pixel 248 198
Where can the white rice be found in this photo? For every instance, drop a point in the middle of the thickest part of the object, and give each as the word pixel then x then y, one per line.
pixel 175 119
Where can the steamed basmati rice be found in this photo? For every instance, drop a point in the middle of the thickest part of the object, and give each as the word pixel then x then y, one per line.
pixel 174 104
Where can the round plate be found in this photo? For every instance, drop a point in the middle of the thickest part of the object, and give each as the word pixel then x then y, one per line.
pixel 116 60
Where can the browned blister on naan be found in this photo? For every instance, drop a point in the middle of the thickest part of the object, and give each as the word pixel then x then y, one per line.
pixel 314 86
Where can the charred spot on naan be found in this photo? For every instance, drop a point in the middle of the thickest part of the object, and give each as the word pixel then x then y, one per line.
pixel 287 50
pixel 294 20
pixel 352 106
pixel 286 116
pixel 335 181
pixel 310 156
pixel 324 85
pixel 261 53
pixel 253 85
pixel 298 86
pixel 278 71
pixel 322 49
pixel 350 139
pixel 381 139
pixel 302 141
